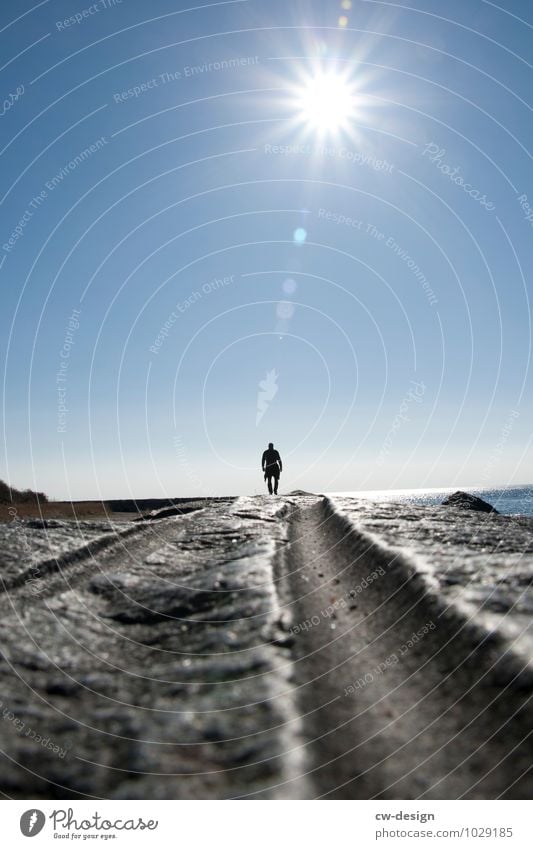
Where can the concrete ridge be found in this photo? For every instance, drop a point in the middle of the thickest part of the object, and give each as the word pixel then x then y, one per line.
pixel 491 648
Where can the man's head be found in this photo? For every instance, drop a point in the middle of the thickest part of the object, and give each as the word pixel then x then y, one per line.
pixel 271 445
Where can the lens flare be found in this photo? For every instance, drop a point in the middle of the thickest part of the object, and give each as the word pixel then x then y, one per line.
pixel 289 286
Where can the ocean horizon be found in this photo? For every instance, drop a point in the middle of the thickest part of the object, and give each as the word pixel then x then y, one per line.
pixel 515 500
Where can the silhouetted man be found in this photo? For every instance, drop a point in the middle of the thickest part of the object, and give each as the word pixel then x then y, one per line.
pixel 272 467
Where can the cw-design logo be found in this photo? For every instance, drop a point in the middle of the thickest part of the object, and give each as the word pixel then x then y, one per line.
pixel 32 822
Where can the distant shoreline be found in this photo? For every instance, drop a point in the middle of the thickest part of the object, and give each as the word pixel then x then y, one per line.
pixel 123 509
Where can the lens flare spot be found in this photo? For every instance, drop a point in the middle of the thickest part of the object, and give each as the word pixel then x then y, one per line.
pixel 289 286
pixel 285 310
pixel 300 235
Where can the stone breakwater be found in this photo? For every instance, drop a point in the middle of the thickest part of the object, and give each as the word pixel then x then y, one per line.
pixel 168 658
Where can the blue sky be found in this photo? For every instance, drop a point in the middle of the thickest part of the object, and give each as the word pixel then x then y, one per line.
pixel 161 322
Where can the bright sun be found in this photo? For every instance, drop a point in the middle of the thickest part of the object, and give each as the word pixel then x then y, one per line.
pixel 326 102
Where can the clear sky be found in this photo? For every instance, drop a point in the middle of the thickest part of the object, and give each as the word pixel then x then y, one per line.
pixel 232 223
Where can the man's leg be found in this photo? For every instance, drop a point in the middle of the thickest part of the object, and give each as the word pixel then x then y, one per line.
pixel 276 481
pixel 270 484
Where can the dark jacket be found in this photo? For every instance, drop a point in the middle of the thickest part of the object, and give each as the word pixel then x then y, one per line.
pixel 271 461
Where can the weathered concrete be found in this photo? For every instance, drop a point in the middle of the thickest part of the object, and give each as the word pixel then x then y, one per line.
pixel 159 665
pixel 265 648
pixel 411 690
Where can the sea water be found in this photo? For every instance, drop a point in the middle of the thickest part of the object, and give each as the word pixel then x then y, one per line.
pixel 509 500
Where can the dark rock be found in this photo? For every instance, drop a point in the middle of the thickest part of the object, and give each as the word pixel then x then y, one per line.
pixel 167 512
pixel 43 524
pixel 62 687
pixel 142 505
pixel 466 501
pixel 133 600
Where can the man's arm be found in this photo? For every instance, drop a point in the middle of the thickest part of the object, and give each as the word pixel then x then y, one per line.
pixel 263 460
pixel 280 463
